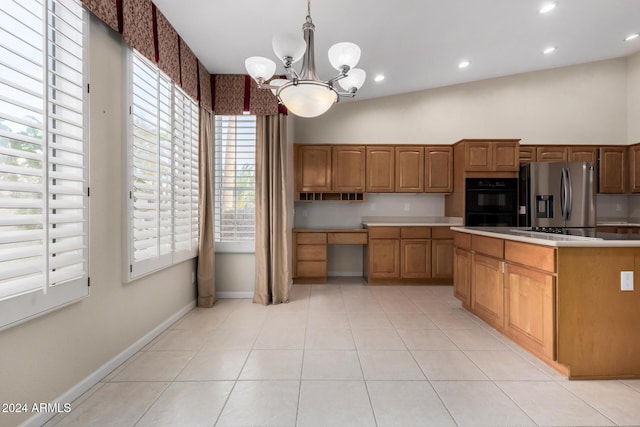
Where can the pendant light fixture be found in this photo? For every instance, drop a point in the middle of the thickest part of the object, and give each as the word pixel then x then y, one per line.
pixel 304 94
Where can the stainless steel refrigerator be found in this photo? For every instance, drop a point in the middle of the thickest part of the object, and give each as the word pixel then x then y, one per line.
pixel 557 195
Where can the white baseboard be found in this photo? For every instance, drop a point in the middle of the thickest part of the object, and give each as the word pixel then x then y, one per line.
pixel 94 378
pixel 234 295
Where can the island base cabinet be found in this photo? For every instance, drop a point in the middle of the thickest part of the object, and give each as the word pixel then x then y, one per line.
pixel 487 298
pixel 529 309
pixel 461 276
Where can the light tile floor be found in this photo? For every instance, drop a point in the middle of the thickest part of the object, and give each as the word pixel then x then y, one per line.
pixel 345 354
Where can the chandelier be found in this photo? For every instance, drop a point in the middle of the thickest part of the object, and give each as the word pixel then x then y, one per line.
pixel 304 94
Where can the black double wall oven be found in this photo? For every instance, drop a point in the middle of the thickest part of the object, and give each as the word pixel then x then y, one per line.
pixel 491 202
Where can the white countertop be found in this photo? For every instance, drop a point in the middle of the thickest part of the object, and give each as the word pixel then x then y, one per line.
pixel 617 223
pixel 408 221
pixel 537 238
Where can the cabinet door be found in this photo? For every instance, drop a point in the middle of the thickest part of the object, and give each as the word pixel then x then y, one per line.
pixel 438 169
pixel 442 259
pixel 527 153
pixel 529 313
pixel 380 167
pixel 313 168
pixel 409 169
pixel 415 259
pixel 551 154
pixel 506 156
pixel 583 154
pixel 487 290
pixel 634 153
pixel 478 156
pixel 613 175
pixel 384 258
pixel 462 276
pixel 348 168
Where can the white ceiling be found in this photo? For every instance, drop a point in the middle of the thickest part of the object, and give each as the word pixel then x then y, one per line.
pixel 416 44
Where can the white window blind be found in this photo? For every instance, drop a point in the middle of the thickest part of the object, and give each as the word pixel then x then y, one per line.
pixel 163 148
pixel 43 157
pixel 235 160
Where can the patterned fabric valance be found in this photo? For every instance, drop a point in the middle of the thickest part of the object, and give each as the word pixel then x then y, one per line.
pixel 106 10
pixel 188 70
pixel 237 93
pixel 138 28
pixel 205 87
pixel 147 30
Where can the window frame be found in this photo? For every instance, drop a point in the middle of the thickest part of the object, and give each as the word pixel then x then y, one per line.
pixel 133 269
pixel 237 246
pixel 24 306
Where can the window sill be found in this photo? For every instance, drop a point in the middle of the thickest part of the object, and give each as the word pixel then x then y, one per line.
pixel 248 247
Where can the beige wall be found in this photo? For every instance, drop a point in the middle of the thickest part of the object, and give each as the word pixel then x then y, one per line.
pixel 43 358
pixel 633 99
pixel 582 104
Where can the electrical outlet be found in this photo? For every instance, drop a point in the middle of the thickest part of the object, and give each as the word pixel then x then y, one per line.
pixel 618 207
pixel 372 206
pixel 407 207
pixel 626 280
pixel 305 212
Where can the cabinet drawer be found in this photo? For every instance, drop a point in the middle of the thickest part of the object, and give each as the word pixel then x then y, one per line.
pixel 462 240
pixel 488 246
pixel 415 232
pixel 347 238
pixel 540 257
pixel 311 252
pixel 441 233
pixel 384 233
pixel 311 238
pixel 311 269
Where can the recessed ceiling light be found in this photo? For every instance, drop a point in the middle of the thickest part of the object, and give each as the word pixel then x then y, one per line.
pixel 548 7
pixel 631 37
pixel 379 78
pixel 549 50
pixel 463 64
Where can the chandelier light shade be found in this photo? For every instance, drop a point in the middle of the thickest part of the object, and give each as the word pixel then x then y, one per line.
pixel 303 93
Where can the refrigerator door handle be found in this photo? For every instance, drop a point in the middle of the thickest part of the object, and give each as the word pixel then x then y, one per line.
pixel 563 194
pixel 569 202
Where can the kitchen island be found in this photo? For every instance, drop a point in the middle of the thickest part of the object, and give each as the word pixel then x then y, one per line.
pixel 560 297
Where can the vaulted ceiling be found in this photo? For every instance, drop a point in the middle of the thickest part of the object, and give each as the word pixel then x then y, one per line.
pixel 415 44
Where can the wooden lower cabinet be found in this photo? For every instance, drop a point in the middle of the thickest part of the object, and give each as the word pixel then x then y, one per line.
pixel 462 276
pixel 384 258
pixel 529 309
pixel 487 294
pixel 415 258
pixel 310 256
pixel 442 259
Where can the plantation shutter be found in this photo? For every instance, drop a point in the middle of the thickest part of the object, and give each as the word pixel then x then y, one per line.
pixel 185 157
pixel 43 157
pixel 235 159
pixel 150 193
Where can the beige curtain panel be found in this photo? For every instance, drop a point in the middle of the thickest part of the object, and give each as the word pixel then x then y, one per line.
pixel 273 276
pixel 206 250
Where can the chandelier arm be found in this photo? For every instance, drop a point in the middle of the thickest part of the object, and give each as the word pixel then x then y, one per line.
pixel 336 78
pixel 350 94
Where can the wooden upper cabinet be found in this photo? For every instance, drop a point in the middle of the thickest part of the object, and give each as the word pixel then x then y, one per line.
pixel 478 156
pixel 551 153
pixel 527 153
pixel 438 169
pixel 583 154
pixel 491 156
pixel 313 168
pixel 380 169
pixel 613 170
pixel 348 168
pixel 634 165
pixel 506 157
pixel 409 165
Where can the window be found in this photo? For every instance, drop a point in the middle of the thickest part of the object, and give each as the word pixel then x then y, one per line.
pixel 163 165
pixel 43 158
pixel 235 183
